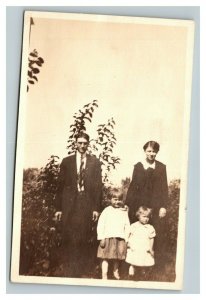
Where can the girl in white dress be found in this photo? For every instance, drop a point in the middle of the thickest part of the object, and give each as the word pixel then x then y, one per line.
pixel 140 253
pixel 112 232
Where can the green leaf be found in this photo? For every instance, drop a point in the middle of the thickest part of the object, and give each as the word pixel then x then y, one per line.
pixel 40 59
pixel 86 105
pixel 33 54
pixel 35 70
pixel 34 77
pixel 87 119
pixel 30 74
pixel 38 63
pixel 31 81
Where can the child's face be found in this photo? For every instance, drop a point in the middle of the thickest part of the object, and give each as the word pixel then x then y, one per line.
pixel 116 202
pixel 144 218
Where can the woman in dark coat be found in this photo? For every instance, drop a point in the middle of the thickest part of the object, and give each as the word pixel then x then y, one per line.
pixel 149 184
pixel 149 188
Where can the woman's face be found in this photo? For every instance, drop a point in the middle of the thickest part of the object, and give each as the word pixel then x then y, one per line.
pixel 150 154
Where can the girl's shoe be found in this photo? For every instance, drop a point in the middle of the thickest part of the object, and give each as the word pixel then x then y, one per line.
pixel 130 277
pixel 116 274
pixel 104 276
pixel 131 271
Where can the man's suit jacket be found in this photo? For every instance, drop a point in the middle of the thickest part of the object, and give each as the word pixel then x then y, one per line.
pixel 148 188
pixel 67 188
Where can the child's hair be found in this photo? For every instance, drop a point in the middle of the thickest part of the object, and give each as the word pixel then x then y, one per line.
pixel 143 210
pixel 115 191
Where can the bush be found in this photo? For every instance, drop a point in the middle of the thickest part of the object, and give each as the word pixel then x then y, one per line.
pixel 41 234
pixel 173 213
pixel 39 231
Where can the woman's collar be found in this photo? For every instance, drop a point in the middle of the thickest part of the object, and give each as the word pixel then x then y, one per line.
pixel 146 165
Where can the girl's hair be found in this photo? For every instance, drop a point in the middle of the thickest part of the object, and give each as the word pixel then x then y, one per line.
pixel 143 210
pixel 115 191
pixel 153 145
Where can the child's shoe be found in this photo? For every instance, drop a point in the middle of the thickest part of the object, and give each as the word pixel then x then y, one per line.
pixel 116 274
pixel 104 276
pixel 131 271
pixel 130 277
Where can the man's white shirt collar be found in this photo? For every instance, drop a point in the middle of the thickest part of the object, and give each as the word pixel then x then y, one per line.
pixel 78 163
pixel 78 160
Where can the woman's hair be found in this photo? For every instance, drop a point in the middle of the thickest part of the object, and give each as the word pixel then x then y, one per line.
pixel 153 145
pixel 82 135
pixel 143 210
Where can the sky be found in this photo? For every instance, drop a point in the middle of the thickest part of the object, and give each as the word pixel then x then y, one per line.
pixel 136 71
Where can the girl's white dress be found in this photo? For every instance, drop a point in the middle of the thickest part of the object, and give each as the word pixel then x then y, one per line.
pixel 113 226
pixel 139 244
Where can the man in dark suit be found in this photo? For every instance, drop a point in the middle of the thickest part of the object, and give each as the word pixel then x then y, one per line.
pixel 78 203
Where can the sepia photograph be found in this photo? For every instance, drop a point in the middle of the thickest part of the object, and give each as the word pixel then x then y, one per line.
pixel 102 151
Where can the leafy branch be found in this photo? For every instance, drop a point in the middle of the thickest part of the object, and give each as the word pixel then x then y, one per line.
pixel 34 63
pixel 103 146
pixel 84 115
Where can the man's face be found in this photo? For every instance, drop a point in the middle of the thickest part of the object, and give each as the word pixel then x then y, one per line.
pixel 82 145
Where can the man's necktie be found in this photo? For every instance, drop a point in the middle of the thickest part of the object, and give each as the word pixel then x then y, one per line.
pixel 81 174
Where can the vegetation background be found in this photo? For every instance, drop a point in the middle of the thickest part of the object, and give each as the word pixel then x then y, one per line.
pixel 40 252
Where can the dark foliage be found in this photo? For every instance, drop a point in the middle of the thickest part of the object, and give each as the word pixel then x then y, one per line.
pixel 84 115
pixel 173 214
pixel 101 146
pixel 40 232
pixel 41 236
pixel 34 63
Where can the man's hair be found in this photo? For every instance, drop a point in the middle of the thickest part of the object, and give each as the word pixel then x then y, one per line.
pixel 82 135
pixel 153 145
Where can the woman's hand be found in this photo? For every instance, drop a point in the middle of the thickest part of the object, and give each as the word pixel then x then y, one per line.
pixel 162 212
pixel 102 243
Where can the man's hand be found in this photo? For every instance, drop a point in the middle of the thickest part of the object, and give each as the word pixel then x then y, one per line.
pixel 95 216
pixel 162 212
pixel 58 215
